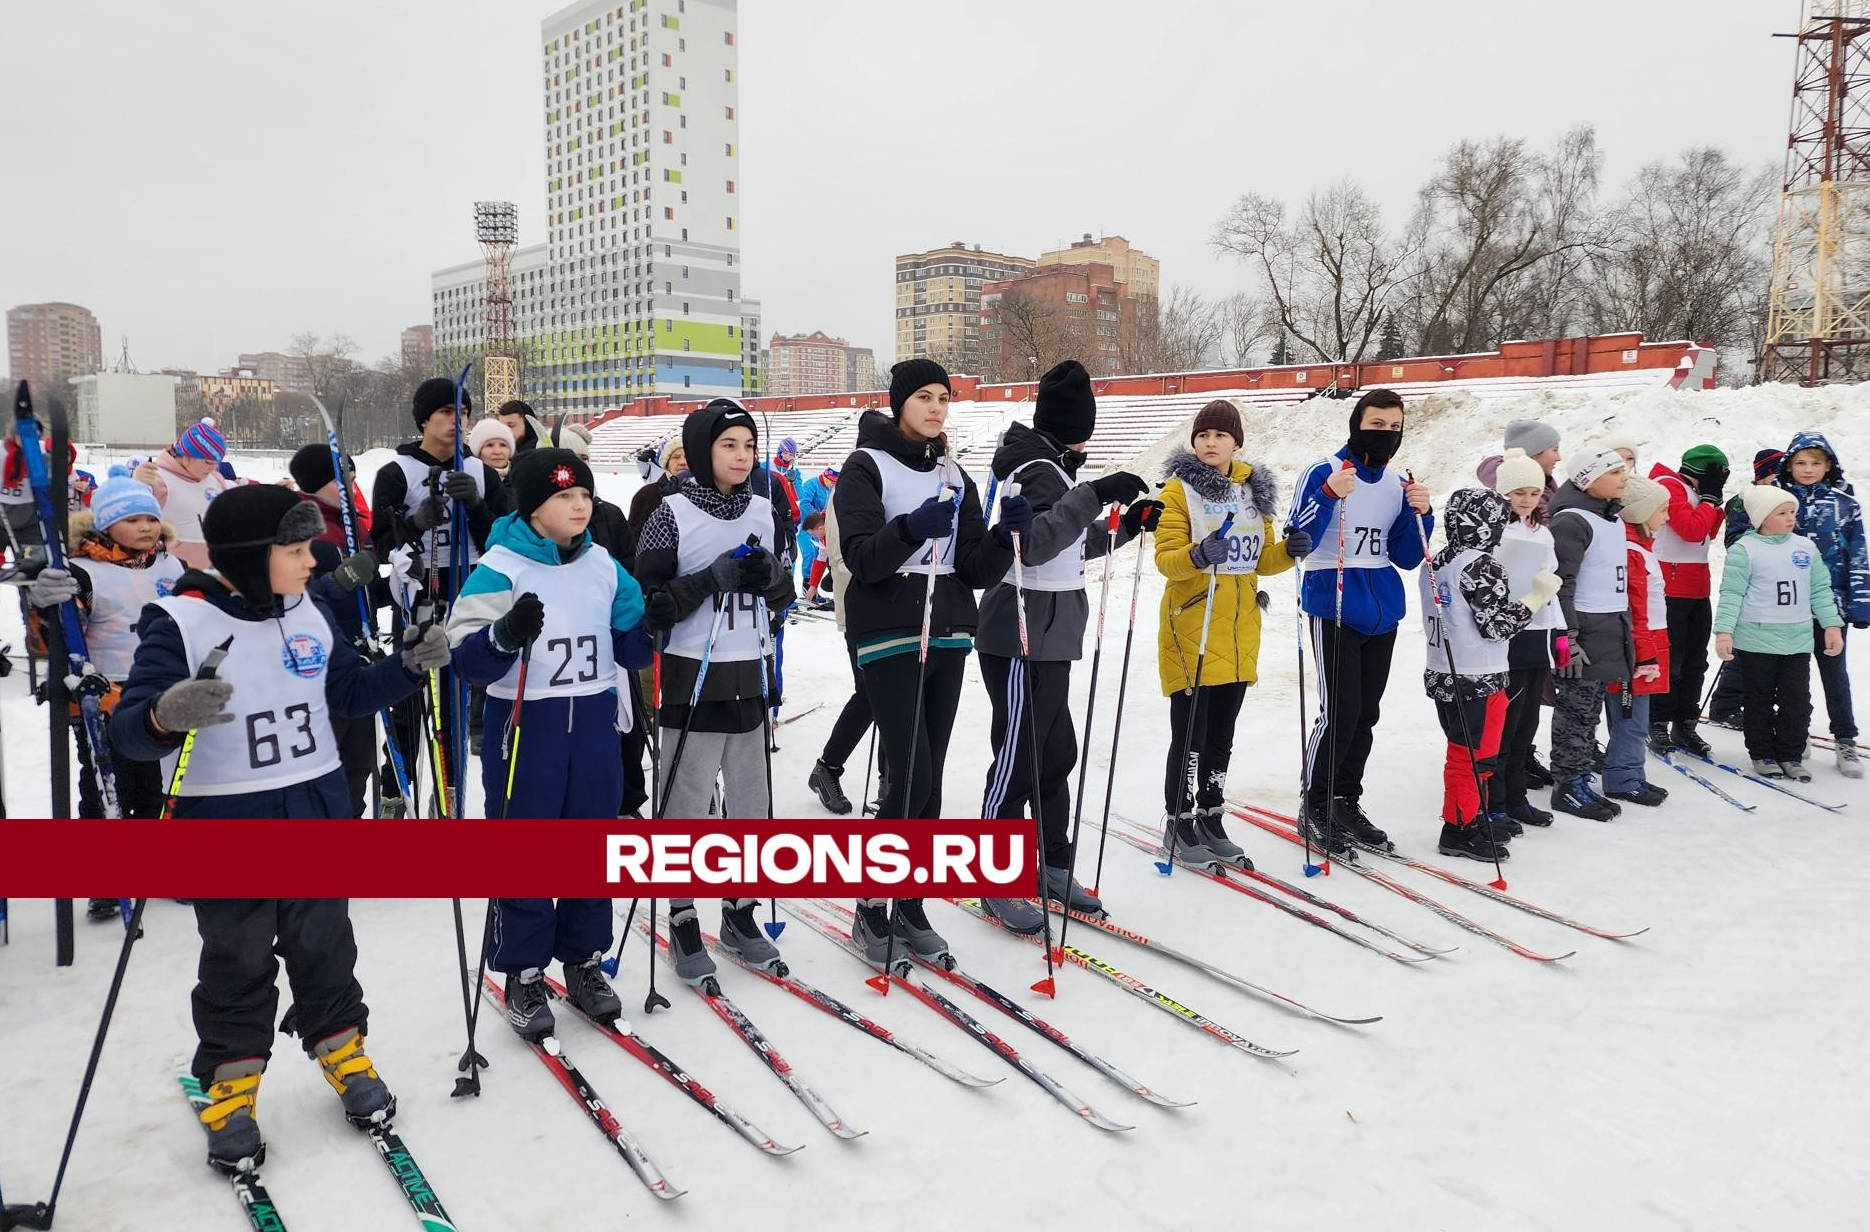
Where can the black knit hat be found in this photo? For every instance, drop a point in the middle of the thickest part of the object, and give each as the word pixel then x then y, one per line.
pixel 703 427
pixel 242 526
pixel 1065 409
pixel 434 394
pixel 905 378
pixel 311 468
pixel 1387 399
pixel 1222 416
pixel 540 474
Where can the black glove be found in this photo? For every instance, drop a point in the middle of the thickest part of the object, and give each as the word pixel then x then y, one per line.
pixel 1118 488
pixel 1712 483
pixel 429 514
pixel 933 519
pixel 357 569
pixel 460 486
pixel 758 572
pixel 1015 519
pixel 524 621
pixel 1142 516
pixel 1298 544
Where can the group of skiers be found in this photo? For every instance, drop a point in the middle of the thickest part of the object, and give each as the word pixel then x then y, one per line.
pixel 244 678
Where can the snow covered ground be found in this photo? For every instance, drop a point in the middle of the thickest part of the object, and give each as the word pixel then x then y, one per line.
pixel 1709 1074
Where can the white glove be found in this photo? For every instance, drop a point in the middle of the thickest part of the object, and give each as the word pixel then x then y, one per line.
pixel 1545 586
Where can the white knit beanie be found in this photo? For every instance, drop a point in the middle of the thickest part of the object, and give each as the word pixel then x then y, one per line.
pixel 1642 499
pixel 489 429
pixel 1518 471
pixel 1762 500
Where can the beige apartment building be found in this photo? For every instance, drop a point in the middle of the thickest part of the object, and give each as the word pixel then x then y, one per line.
pixel 50 345
pixel 1139 273
pixel 938 301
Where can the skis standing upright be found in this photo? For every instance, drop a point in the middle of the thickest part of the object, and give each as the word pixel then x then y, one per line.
pixel 457 571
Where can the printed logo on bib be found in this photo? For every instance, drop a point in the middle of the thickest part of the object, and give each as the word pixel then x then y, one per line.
pixel 303 654
pixel 164 587
pixel 1801 559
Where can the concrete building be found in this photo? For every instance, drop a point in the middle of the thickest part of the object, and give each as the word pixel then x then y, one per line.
pixel 130 410
pixel 861 368
pixel 49 344
pixel 803 365
pixel 752 349
pixel 290 374
pixel 458 294
pixel 638 281
pixel 938 301
pixel 1077 311
pixel 1139 273
pixel 418 342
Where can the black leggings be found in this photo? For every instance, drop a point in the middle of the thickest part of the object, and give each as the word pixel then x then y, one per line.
pixel 1195 776
pixel 1525 689
pixel 892 685
pixel 852 722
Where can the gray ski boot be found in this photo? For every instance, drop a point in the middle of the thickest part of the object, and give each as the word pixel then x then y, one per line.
pixel 368 1103
pixel 588 990
pixel 528 1008
pixel 914 930
pixel 1016 914
pixel 1767 768
pixel 234 1143
pixel 871 932
pixel 742 934
pixel 1214 834
pixel 693 965
pixel 1057 881
pixel 1849 764
pixel 1190 847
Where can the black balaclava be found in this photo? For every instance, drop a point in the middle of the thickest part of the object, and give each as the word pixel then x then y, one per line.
pixel 1367 445
pixel 702 427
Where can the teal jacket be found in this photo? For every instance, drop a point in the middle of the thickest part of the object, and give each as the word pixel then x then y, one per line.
pixel 1795 638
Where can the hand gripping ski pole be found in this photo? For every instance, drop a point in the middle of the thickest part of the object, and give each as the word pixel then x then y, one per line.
pixel 210 667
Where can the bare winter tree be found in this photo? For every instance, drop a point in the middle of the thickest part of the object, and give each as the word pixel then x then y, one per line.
pixel 1685 254
pixel 1179 333
pixel 327 362
pixel 1330 274
pixel 1029 336
pixel 1247 327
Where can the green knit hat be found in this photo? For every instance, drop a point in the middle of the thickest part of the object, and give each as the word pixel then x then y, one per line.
pixel 1701 459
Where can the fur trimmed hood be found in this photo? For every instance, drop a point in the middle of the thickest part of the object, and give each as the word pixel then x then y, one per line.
pixel 1213 485
pixel 83 522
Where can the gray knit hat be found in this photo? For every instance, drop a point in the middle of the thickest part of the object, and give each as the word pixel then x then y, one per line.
pixel 1535 436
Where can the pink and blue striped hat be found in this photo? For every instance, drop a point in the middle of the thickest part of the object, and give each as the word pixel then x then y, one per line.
pixel 203 441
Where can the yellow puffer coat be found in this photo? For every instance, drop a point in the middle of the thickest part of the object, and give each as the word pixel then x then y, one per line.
pixel 1234 628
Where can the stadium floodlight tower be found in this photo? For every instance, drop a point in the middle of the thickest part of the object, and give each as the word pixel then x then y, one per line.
pixel 496 226
pixel 1818 313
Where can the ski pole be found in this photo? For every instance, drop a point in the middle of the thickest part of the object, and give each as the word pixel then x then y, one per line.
pixel 1084 756
pixel 511 751
pixel 881 983
pixel 1166 865
pixel 210 667
pixel 1116 732
pixel 457 574
pixel 472 1062
pixel 1467 734
pixel 41 1214
pixel 1049 985
pixel 611 964
pixel 774 926
pixel 655 1000
pixel 694 699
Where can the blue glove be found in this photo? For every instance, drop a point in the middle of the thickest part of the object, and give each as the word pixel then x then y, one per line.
pixel 636 649
pixel 932 519
pixel 1298 544
pixel 1015 519
pixel 1209 552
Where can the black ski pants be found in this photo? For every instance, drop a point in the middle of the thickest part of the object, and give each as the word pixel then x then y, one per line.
pixel 1195 773
pixel 1525 688
pixel 892 684
pixel 140 787
pixel 852 721
pixel 236 997
pixel 1778 689
pixel 1032 701
pixel 1691 627
pixel 1353 671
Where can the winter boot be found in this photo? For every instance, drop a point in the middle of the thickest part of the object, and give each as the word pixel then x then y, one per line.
pixel 588 990
pixel 824 781
pixel 234 1143
pixel 742 934
pixel 871 932
pixel 914 930
pixel 1500 826
pixel 693 965
pixel 1767 768
pixel 1574 796
pixel 1470 842
pixel 1527 813
pixel 1597 755
pixel 1659 742
pixel 1349 818
pixel 99 910
pixel 1685 737
pixel 527 1006
pixel 1536 773
pixel 1648 795
pixel 1848 764
pixel 1208 826
pixel 1015 914
pixel 368 1103
pixel 1317 826
pixel 1796 771
pixel 1731 722
pixel 1190 848
pixel 1061 886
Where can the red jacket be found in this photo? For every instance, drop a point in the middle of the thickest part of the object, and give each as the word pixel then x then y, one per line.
pixel 1694 524
pixel 1652 645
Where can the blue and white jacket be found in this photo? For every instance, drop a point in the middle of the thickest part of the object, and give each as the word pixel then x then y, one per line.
pixel 1831 517
pixel 1374 601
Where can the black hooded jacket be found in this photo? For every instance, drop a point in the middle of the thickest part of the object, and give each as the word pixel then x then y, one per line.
pixel 881 601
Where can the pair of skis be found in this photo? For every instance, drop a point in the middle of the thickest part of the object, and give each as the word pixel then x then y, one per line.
pixel 263 1213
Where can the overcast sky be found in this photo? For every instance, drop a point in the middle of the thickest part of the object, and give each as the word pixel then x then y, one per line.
pixel 213 176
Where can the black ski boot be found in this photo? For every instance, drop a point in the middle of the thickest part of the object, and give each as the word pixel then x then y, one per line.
pixel 871 931
pixel 587 989
pixel 528 1008
pixel 1501 827
pixel 824 781
pixel 1349 818
pixel 914 930
pixel 1470 842
pixel 1208 826
pixel 1597 756
pixel 100 910
pixel 1660 742
pixel 1649 795
pixel 1686 738
pixel 1536 773
pixel 1526 813
pixel 1574 796
pixel 1324 835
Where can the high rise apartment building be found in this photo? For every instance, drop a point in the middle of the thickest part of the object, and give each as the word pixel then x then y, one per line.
pixel 938 301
